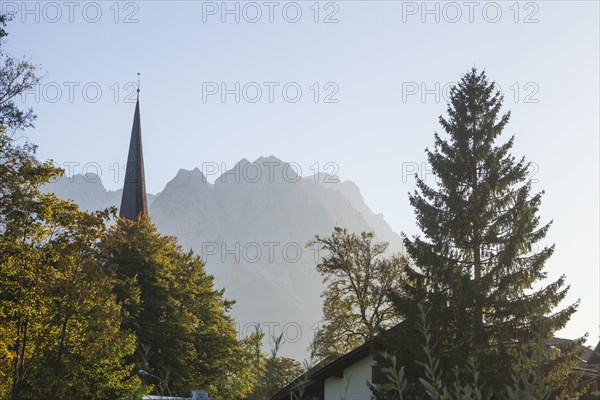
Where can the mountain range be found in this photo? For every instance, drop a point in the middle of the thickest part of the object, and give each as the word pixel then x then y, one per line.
pixel 251 226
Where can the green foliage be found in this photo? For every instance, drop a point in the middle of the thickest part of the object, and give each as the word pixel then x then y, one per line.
pixel 397 381
pixel 16 76
pixel 242 378
pixel 172 306
pixel 274 372
pixel 475 267
pixel 77 298
pixel 60 323
pixel 358 276
pixel 525 382
pixel 60 330
pixel 280 372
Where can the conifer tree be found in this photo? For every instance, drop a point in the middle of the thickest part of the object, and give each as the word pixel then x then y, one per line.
pixel 477 268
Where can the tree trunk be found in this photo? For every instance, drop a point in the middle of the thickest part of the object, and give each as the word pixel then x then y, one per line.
pixel 61 348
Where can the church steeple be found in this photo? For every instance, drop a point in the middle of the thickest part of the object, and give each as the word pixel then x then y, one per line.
pixel 133 202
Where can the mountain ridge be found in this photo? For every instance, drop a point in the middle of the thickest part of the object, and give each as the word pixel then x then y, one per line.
pixel 251 227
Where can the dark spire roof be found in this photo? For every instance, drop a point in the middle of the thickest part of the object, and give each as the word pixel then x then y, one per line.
pixel 133 201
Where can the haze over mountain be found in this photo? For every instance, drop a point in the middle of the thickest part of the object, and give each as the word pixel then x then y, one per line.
pixel 88 192
pixel 251 227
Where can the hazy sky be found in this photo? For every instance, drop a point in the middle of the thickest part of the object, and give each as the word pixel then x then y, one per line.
pixel 371 76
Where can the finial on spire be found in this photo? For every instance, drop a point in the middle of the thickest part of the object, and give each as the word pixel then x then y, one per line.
pixel 133 199
pixel 138 87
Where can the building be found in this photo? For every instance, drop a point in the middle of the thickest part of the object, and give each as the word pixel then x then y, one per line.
pixel 346 378
pixel 590 368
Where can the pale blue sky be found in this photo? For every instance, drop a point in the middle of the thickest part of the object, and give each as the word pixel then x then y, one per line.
pixel 374 51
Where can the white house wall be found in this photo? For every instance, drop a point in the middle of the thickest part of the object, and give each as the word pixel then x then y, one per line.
pixel 353 386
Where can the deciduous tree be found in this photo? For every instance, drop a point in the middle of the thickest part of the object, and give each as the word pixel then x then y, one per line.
pixel 358 276
pixel 172 306
pixel 60 325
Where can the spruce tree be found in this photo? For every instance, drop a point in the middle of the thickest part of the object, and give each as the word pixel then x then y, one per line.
pixel 477 262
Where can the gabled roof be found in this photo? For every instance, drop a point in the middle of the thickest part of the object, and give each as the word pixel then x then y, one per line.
pixel 320 373
pixel 316 376
pixel 590 358
pixel 594 357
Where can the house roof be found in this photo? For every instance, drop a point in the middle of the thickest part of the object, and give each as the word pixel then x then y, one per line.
pixel 333 369
pixel 594 357
pixel 317 375
pixel 320 373
pixel 590 358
